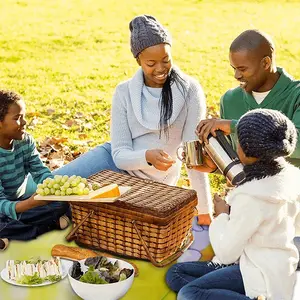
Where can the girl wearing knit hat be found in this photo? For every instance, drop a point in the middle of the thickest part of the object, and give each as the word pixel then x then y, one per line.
pixel 153 113
pixel 255 253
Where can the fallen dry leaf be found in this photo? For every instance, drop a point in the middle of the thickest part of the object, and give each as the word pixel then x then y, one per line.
pixel 50 111
pixel 76 153
pixel 55 163
pixel 78 121
pixel 78 115
pixel 33 114
pixel 82 136
pixel 53 140
pixel 70 123
pixel 55 153
pixel 79 143
pixel 34 121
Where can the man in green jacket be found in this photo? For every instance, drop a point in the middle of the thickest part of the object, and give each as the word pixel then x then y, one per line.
pixel 262 85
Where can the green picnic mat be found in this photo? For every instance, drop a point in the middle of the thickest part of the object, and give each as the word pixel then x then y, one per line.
pixel 149 285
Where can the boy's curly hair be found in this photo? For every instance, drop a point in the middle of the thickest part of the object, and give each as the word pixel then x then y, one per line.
pixel 7 98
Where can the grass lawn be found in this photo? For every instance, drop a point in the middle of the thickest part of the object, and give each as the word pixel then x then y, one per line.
pixel 66 57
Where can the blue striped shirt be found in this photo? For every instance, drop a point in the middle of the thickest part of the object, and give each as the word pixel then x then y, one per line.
pixel 15 165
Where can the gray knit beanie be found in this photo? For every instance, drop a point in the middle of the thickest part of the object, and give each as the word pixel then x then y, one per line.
pixel 266 133
pixel 146 31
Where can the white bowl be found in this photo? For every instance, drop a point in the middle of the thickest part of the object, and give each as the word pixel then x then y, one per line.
pixel 110 291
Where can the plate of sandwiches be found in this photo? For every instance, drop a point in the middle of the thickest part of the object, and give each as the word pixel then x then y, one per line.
pixel 35 272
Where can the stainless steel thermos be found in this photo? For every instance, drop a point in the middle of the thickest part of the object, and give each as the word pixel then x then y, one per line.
pixel 226 159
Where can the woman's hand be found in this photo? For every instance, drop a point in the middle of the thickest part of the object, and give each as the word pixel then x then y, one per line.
pixel 220 206
pixel 159 159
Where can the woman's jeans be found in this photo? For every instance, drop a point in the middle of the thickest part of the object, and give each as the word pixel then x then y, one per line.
pixel 207 281
pixel 91 162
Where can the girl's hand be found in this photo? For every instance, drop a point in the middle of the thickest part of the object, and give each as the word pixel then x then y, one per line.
pixel 220 206
pixel 159 159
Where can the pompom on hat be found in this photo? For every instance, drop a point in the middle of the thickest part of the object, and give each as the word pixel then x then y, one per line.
pixel 146 31
pixel 266 133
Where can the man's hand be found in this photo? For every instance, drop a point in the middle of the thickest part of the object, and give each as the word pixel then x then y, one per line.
pixel 205 127
pixel 159 159
pixel 220 206
pixel 208 164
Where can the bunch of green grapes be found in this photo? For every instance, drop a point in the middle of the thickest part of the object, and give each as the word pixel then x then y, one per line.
pixel 63 186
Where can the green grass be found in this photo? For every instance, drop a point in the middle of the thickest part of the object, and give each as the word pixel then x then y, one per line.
pixel 68 55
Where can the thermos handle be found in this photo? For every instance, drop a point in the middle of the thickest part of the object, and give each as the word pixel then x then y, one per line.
pixel 225 144
pixel 180 158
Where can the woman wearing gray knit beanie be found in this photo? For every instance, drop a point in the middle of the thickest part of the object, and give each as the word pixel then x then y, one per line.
pixel 153 113
pixel 256 257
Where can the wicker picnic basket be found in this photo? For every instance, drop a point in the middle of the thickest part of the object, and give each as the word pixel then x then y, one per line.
pixel 151 221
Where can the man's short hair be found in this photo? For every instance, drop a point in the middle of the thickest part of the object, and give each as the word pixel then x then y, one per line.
pixel 251 40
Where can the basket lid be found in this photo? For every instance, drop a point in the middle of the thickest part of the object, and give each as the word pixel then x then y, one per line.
pixel 146 196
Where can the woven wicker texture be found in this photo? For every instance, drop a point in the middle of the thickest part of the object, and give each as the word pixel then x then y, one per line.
pixel 161 215
pixel 147 196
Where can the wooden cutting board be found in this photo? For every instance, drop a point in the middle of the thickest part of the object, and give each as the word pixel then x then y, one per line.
pixel 83 198
pixel 77 253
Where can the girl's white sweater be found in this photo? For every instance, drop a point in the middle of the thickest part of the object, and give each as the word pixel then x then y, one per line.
pixel 259 231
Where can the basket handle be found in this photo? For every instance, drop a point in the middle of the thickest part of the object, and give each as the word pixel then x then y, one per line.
pixel 71 235
pixel 166 261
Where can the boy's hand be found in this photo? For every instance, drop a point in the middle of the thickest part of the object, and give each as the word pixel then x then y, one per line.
pixel 220 206
pixel 36 203
pixel 29 203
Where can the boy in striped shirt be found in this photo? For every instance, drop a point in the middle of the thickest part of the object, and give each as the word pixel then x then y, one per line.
pixel 21 217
